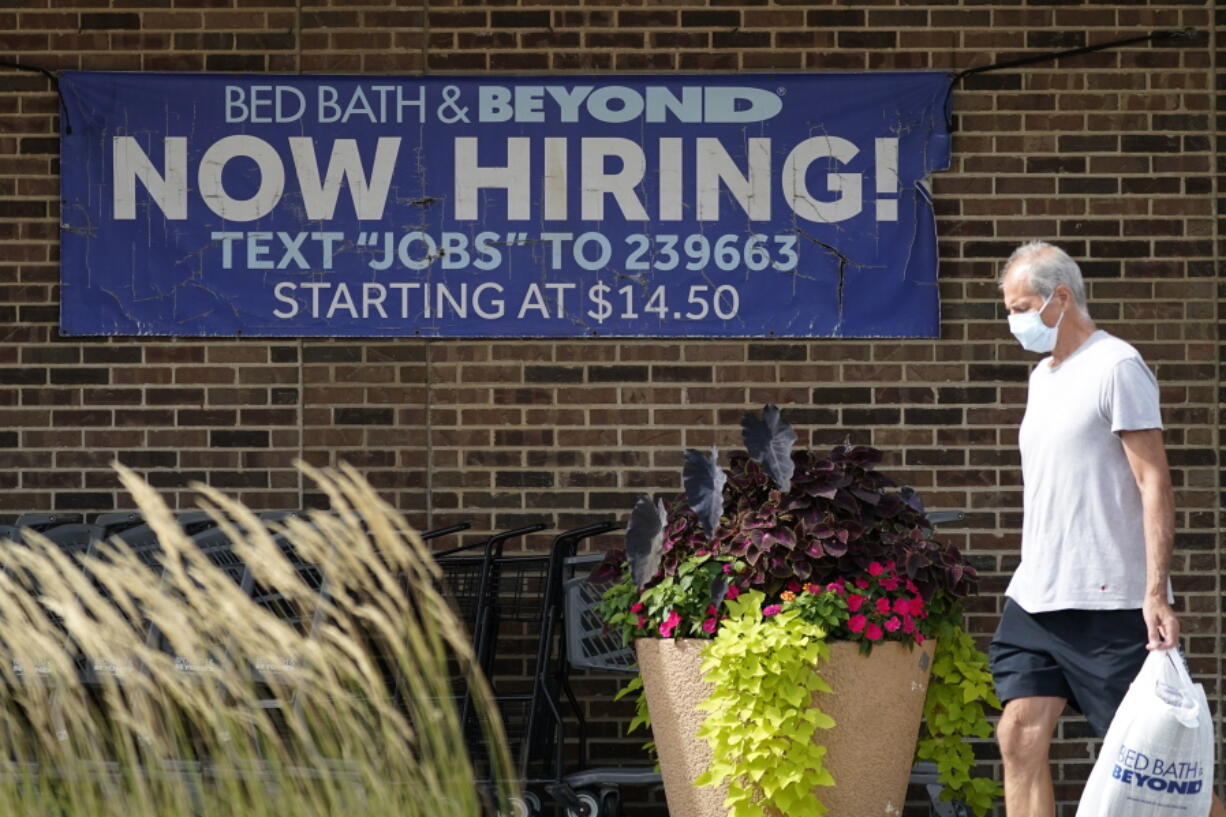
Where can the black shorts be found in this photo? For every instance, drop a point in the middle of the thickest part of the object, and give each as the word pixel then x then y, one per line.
pixel 1087 657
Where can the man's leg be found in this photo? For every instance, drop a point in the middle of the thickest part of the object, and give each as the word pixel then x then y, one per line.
pixel 1025 732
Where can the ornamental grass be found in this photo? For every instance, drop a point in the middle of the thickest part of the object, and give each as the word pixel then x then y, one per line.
pixel 139 691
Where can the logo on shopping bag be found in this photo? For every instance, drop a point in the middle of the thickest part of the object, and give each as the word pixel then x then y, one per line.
pixel 1158 774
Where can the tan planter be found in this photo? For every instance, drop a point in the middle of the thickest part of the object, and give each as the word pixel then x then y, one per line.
pixel 877 704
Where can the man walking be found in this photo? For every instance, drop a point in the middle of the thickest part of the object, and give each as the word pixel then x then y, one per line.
pixel 1091 594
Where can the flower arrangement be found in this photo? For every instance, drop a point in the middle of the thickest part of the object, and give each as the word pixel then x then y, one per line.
pixel 827 546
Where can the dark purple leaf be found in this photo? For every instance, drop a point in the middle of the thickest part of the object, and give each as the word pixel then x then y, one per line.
pixel 811 518
pixel 844 499
pixel 865 456
pixel 835 548
pixel 869 497
pixel 781 536
pixel 609 569
pixel 704 485
pixel 645 539
pixel 739 546
pixel 909 496
pixel 769 440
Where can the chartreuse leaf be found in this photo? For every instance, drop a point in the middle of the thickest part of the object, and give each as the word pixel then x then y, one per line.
pixel 953 711
pixel 761 717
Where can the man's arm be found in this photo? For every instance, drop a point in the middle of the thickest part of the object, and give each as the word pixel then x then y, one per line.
pixel 1147 458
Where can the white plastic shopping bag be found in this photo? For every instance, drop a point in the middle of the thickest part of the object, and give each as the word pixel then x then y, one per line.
pixel 1157 757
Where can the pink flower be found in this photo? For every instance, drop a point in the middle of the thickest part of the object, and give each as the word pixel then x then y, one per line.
pixel 910 585
pixel 712 610
pixel 793 586
pixel 813 588
pixel 637 607
pixel 836 588
pixel 917 607
pixel 889 566
pixel 642 622
pixel 883 605
pixel 873 633
pixel 771 610
pixel 862 583
pixel 855 601
pixel 890 584
pixel 875 569
pixel 892 624
pixel 727 568
pixel 709 625
pixel 670 624
pixel 733 592
pixel 908 624
pixel 919 638
pixel 902 606
pixel 856 623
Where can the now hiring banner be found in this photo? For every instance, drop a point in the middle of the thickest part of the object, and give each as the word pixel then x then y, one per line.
pixel 545 206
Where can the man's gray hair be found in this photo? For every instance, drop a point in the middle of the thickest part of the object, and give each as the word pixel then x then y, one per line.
pixel 1047 267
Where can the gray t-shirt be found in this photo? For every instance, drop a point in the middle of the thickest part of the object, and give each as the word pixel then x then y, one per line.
pixel 1083 538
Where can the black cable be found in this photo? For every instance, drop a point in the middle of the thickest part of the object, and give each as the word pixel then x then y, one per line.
pixel 1155 36
pixel 55 81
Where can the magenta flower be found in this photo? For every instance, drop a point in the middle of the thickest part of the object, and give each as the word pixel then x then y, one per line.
pixel 889 566
pixel 891 583
pixel 883 605
pixel 902 606
pixel 862 583
pixel 642 622
pixel 670 624
pixel 637 607
pixel 793 586
pixel 873 633
pixel 771 610
pixel 855 601
pixel 892 624
pixel 733 592
pixel 727 568
pixel 709 625
pixel 856 623
pixel 908 624
pixel 875 569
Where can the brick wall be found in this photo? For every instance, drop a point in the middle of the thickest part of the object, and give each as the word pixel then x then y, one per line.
pixel 1112 154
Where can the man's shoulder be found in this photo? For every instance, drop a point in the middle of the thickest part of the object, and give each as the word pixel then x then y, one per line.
pixel 1106 350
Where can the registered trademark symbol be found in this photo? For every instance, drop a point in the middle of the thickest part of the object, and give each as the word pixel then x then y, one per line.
pixel 782 91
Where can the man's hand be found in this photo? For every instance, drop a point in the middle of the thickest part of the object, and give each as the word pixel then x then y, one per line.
pixel 1162 623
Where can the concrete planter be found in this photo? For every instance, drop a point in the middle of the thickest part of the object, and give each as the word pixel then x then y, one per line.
pixel 877 705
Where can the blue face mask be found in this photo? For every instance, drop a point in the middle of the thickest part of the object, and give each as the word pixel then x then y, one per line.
pixel 1031 332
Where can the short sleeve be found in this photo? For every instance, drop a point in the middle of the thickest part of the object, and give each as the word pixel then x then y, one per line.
pixel 1133 397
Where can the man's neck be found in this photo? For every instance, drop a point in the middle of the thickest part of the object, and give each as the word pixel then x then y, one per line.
pixel 1075 329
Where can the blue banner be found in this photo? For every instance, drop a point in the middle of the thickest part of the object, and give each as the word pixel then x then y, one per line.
pixel 547 206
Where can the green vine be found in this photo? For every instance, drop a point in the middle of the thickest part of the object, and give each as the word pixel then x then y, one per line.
pixel 641 716
pixel 959 688
pixel 761 720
